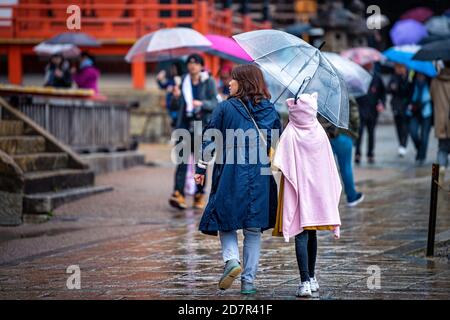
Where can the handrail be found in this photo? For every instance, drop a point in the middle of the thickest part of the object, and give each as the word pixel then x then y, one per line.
pixel 26 20
pixel 76 160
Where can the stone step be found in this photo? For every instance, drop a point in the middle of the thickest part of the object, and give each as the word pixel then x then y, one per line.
pixel 47 201
pixel 41 161
pixel 14 145
pixel 11 128
pixel 57 180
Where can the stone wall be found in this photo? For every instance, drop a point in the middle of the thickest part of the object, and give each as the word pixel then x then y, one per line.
pixel 11 191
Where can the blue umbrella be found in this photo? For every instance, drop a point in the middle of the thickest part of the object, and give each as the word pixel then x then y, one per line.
pixel 404 55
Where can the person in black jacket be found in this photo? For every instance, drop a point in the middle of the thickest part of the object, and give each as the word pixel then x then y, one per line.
pixel 370 106
pixel 193 100
pixel 400 88
pixel 57 72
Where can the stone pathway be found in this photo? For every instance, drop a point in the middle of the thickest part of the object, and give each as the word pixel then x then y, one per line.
pixel 130 245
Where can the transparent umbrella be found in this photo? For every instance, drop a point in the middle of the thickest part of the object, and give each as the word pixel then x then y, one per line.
pixel 292 66
pixel 356 77
pixel 167 44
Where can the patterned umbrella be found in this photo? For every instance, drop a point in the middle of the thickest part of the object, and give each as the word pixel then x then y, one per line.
pixel 363 55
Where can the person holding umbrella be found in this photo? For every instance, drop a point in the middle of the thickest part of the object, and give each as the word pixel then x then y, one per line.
pixel 194 101
pixel 420 112
pixel 400 88
pixel 370 105
pixel 241 197
pixel 57 72
pixel 440 94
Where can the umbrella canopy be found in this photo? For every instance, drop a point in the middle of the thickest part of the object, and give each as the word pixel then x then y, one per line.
pixel 227 48
pixel 356 78
pixel 297 29
pixel 404 55
pixel 434 51
pixel 433 38
pixel 79 39
pixel 407 32
pixel 363 55
pixel 439 25
pixel 67 50
pixel 420 14
pixel 167 44
pixel 293 66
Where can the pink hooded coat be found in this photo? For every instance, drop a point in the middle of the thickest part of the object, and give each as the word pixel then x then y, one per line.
pixel 312 186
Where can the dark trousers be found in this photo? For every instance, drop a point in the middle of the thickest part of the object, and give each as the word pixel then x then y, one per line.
pixel 370 124
pixel 401 124
pixel 181 172
pixel 420 131
pixel 306 252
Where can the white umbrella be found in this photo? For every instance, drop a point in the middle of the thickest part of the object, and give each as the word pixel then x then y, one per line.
pixel 167 44
pixel 67 50
pixel 355 77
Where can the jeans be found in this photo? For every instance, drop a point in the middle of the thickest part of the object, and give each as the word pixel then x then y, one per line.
pixel 419 129
pixel 252 249
pixel 342 147
pixel 443 151
pixel 401 124
pixel 306 252
pixel 370 123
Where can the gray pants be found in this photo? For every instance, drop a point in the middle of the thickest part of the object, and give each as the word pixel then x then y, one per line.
pixel 443 151
pixel 252 249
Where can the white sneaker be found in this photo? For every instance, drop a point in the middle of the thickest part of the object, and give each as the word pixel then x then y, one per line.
pixel 401 151
pixel 304 289
pixel 314 284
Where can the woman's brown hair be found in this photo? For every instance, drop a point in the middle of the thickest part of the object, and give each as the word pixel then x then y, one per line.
pixel 251 83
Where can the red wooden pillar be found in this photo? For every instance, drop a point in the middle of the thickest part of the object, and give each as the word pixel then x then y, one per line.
pixel 15 65
pixel 138 71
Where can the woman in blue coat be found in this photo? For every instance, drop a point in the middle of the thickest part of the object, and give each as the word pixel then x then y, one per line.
pixel 243 195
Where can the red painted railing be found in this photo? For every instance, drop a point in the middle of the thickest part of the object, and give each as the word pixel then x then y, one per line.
pixel 120 19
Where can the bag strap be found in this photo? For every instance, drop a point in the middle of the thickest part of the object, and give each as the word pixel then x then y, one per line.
pixel 254 122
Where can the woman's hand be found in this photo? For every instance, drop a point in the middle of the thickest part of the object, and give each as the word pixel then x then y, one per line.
pixel 199 179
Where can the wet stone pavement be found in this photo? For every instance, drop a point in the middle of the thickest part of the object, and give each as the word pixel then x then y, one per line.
pixel 129 244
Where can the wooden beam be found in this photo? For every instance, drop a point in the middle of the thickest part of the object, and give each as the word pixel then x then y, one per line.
pixel 15 65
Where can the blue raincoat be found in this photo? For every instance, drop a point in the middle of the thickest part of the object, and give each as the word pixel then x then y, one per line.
pixel 241 197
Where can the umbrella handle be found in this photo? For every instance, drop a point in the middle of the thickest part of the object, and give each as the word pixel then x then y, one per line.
pixel 301 86
pixel 307 78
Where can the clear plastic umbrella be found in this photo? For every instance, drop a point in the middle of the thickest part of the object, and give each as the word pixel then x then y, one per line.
pixel 356 77
pixel 46 49
pixel 167 44
pixel 292 66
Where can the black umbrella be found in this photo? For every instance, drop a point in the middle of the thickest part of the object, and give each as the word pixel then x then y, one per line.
pixel 438 50
pixel 79 39
pixel 433 38
pixel 297 29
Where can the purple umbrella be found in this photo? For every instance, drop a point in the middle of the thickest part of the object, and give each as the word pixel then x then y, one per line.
pixel 227 48
pixel 407 32
pixel 420 14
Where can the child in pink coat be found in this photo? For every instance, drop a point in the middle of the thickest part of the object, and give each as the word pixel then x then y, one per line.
pixel 312 187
